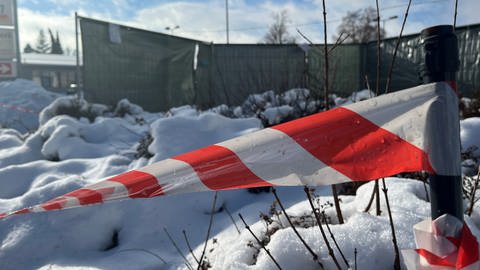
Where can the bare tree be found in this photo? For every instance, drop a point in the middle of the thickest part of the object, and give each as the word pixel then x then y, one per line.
pixel 361 25
pixel 278 33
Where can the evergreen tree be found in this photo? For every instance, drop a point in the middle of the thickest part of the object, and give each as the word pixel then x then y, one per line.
pixel 56 46
pixel 28 49
pixel 42 45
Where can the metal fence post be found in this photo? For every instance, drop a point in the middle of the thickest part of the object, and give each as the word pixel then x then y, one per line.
pixel 441 62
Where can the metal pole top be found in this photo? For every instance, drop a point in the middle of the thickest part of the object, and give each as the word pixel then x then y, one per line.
pixel 437 30
pixel 440 51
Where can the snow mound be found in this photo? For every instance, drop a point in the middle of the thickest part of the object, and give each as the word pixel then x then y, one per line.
pixel 187 131
pixel 469 134
pixel 21 102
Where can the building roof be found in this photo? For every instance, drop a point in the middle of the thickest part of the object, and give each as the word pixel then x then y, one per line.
pixel 49 59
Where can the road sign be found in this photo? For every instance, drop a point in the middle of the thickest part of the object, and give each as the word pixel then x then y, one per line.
pixel 7 44
pixel 8 69
pixel 7 13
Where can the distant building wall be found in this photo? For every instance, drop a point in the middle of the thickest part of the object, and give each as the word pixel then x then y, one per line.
pixel 53 72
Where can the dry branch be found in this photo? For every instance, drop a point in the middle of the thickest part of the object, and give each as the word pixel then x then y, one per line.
pixel 212 212
pixel 259 242
pixel 189 266
pixel 389 78
pixel 396 264
pixel 324 236
pixel 314 255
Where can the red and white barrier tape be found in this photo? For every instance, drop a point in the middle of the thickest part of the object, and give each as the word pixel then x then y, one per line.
pixel 445 243
pixel 17 108
pixel 363 141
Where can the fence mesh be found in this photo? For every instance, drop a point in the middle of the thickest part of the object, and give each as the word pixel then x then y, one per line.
pixel 159 71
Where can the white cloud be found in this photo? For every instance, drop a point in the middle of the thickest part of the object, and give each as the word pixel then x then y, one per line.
pixel 205 20
pixel 30 22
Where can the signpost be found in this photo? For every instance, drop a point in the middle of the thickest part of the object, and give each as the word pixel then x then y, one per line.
pixel 9 53
pixel 7 69
pixel 7 13
pixel 7 44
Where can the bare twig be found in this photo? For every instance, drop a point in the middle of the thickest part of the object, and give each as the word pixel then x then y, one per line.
pixel 231 218
pixel 314 255
pixel 455 15
pixel 325 56
pixel 144 250
pixel 355 254
pixel 324 236
pixel 472 195
pixel 375 194
pixel 369 205
pixel 259 242
pixel 427 197
pixel 178 249
pixel 389 77
pixel 305 37
pixel 189 247
pixel 212 212
pixel 336 201
pixel 396 264
pixel 377 83
pixel 339 42
pixel 333 238
pixel 368 84
pixel 378 211
pixel 327 107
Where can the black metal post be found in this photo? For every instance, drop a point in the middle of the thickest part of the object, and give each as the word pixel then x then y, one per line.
pixel 441 64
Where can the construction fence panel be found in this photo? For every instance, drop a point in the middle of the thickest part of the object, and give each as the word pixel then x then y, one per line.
pixel 228 73
pixel 406 70
pixel 159 71
pixel 147 68
pixel 344 72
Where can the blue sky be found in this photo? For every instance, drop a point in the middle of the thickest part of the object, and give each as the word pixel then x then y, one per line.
pixel 249 19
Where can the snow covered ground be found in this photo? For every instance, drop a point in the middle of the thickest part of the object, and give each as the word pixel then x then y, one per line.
pixel 66 153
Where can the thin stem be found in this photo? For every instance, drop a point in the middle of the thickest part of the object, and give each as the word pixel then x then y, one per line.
pixel 339 42
pixel 472 195
pixel 374 192
pixel 377 86
pixel 212 212
pixel 259 242
pixel 427 197
pixel 305 37
pixel 378 211
pixel 178 249
pixel 333 238
pixel 231 218
pixel 314 255
pixel 396 264
pixel 389 78
pixel 189 247
pixel 336 201
pixel 143 250
pixel 325 56
pixel 355 254
pixel 324 236
pixel 455 15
